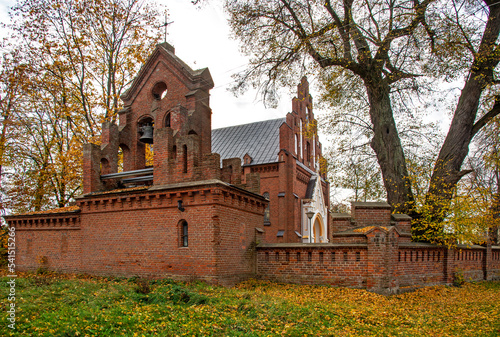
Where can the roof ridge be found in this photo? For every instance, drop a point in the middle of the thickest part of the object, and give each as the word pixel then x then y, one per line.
pixel 266 120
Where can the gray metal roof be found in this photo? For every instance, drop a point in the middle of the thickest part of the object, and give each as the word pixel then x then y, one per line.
pixel 261 140
pixel 310 187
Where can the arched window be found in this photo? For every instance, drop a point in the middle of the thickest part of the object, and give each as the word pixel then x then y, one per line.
pixel 184 158
pixel 105 167
pixel 183 226
pixel 308 152
pixel 174 152
pixel 124 160
pixel 167 120
pixel 267 212
pixel 301 155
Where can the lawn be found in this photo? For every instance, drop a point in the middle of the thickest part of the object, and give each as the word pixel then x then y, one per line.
pixel 69 305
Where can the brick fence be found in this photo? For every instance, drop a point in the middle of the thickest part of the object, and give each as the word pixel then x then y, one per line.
pixel 359 266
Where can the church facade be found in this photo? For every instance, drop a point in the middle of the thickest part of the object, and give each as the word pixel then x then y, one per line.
pixel 166 196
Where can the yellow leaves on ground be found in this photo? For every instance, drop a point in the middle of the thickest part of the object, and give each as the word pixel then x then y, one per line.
pixel 57 305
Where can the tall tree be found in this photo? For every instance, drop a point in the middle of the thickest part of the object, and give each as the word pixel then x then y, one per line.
pixel 386 48
pixel 79 56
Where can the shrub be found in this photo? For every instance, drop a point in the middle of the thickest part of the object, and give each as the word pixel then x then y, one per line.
pixel 458 278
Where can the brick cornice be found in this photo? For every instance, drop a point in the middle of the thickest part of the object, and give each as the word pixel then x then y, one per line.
pixel 192 194
pixel 49 221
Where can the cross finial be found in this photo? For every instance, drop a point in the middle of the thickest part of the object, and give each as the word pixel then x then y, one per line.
pixel 166 25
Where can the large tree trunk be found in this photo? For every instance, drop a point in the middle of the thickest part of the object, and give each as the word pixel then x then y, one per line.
pixel 387 146
pixel 447 170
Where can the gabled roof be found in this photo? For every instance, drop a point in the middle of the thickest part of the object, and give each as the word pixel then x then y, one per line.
pixel 261 140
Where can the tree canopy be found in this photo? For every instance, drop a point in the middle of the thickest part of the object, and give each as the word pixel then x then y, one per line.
pixel 69 62
pixel 375 60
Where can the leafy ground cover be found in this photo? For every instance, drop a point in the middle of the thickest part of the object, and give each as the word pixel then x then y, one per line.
pixel 72 305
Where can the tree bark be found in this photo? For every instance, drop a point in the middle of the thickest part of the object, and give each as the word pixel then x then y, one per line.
pixel 387 146
pixel 447 170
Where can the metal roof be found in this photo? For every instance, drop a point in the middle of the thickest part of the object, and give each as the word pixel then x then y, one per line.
pixel 310 187
pixel 261 140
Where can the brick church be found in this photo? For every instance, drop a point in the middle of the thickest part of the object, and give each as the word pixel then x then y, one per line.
pixel 198 209
pixel 224 205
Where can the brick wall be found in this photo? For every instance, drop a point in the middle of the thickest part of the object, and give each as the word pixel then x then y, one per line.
pixel 420 264
pixel 358 266
pixel 139 232
pixel 47 241
pixel 341 265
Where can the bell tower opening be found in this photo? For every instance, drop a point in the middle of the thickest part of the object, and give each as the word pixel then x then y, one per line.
pixel 145 130
pixel 159 91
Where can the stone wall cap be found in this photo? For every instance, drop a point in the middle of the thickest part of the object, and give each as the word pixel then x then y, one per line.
pixel 400 217
pixel 188 184
pixel 209 182
pixel 363 230
pixel 341 215
pixel 122 190
pixel 461 246
pixel 370 204
pixel 310 245
pixel 432 245
pixel 51 212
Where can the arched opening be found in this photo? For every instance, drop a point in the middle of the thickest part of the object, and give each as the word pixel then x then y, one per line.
pixel 105 167
pixel 168 121
pixel 192 132
pixel 317 226
pixel 267 212
pixel 308 152
pixel 183 229
pixel 119 161
pixel 149 155
pixel 174 153
pixel 159 90
pixel 124 160
pixel 184 159
pixel 230 168
pixel 145 130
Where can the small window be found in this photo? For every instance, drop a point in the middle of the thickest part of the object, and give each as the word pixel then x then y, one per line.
pixel 267 212
pixel 280 234
pixel 184 233
pixel 168 122
pixel 184 159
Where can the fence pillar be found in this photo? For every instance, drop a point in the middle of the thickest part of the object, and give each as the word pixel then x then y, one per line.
pixel 449 265
pixel 488 262
pixel 382 260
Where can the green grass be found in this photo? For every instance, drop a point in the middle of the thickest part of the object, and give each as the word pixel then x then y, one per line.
pixel 62 305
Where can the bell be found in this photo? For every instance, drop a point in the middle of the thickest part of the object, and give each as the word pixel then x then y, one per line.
pixel 146 132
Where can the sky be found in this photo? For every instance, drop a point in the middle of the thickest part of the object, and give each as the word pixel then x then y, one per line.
pixel 201 37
